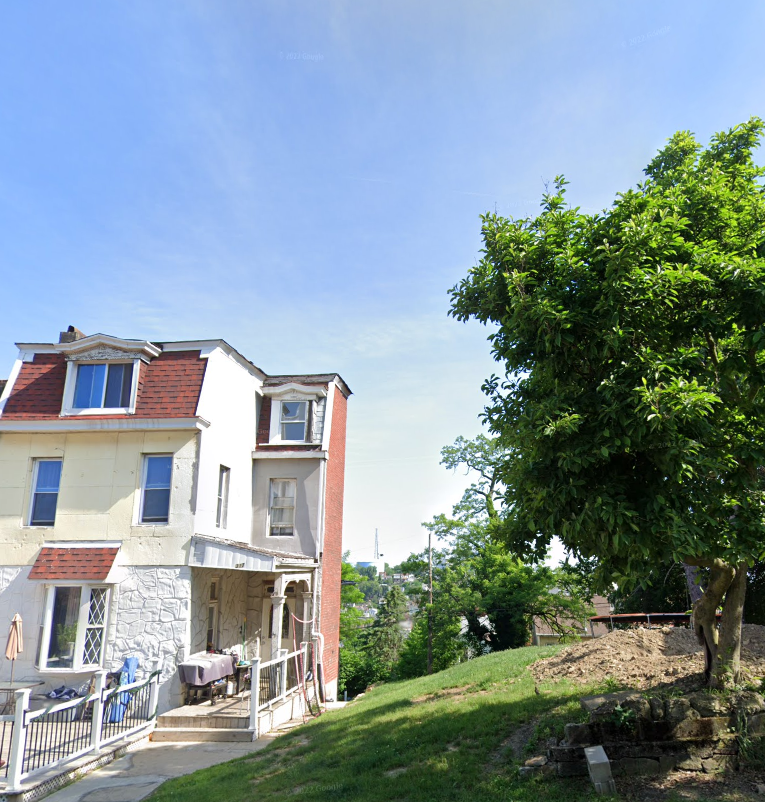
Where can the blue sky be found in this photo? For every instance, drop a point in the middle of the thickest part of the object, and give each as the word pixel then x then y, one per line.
pixel 305 180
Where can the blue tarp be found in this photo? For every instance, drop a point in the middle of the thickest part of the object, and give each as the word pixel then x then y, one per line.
pixel 119 701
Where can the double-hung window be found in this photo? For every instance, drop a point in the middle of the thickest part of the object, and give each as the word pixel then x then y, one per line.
pixel 282 507
pixel 221 515
pixel 46 480
pixel 155 490
pixel 103 386
pixel 74 628
pixel 294 420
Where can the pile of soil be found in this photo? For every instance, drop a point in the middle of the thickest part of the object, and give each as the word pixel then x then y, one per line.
pixel 645 658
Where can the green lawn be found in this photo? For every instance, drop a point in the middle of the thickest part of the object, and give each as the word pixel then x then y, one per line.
pixel 451 736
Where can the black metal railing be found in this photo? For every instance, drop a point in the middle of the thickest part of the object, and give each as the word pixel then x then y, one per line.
pixel 6 737
pixel 270 683
pixel 58 734
pixel 126 710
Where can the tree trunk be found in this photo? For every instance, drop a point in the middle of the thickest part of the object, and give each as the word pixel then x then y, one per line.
pixel 726 666
pixel 695 590
pixel 705 613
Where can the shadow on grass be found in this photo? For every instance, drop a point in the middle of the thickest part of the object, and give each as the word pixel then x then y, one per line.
pixel 378 751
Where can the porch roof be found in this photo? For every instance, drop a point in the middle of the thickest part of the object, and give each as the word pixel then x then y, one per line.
pixel 213 552
pixel 74 561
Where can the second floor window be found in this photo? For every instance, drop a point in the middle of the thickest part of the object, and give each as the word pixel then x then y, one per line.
pixel 155 501
pixel 103 386
pixel 221 515
pixel 282 507
pixel 45 485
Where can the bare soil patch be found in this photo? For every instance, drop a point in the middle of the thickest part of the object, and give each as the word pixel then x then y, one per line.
pixel 645 658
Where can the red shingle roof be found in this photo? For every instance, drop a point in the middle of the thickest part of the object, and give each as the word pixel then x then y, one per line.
pixel 75 562
pixel 168 387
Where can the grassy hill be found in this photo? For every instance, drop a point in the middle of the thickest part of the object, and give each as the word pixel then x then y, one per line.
pixel 457 735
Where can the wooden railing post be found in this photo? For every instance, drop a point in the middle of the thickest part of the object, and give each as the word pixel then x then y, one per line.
pixel 19 739
pixel 97 720
pixel 254 696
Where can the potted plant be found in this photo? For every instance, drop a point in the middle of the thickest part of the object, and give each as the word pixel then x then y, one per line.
pixel 66 635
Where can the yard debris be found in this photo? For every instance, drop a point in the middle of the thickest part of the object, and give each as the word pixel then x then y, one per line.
pixel 644 658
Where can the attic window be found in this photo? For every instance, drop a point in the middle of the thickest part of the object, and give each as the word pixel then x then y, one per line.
pixel 105 386
pixel 94 388
pixel 294 416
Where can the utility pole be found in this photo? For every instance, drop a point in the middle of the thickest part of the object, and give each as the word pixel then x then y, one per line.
pixel 430 603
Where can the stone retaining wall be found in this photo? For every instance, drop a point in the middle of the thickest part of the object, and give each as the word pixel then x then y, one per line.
pixel 651 735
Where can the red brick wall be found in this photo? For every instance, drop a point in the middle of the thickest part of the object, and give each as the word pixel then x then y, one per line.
pixel 264 424
pixel 333 538
pixel 168 387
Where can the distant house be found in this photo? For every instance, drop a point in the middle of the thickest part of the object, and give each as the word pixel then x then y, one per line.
pixel 543 635
pixel 161 498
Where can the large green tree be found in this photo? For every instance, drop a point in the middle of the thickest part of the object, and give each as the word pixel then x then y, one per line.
pixel 633 343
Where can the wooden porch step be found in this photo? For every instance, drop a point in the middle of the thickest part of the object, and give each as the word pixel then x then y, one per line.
pixel 179 734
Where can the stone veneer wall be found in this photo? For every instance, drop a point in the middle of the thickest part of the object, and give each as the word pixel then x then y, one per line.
pixel 150 621
pixel 19 595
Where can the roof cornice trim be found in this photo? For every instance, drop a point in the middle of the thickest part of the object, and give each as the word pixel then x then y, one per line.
pixel 110 425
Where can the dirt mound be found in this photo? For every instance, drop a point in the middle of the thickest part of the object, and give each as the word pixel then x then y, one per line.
pixel 644 658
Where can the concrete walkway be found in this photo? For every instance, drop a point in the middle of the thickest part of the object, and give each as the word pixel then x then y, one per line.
pixel 134 776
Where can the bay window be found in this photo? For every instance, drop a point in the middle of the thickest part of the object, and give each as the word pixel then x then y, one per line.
pixel 73 634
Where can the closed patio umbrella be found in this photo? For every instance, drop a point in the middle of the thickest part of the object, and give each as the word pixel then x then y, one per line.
pixel 15 642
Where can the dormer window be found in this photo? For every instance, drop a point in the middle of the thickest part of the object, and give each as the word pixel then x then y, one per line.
pixel 296 414
pixel 103 386
pixel 102 374
pixel 294 417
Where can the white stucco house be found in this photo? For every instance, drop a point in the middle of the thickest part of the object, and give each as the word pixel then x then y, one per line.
pixel 160 498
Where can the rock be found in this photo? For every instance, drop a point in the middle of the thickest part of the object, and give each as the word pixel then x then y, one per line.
pixel 592 703
pixel 578 734
pixel 639 705
pixel 759 788
pixel 657 708
pixel 572 769
pixel 677 710
pixel 756 724
pixel 713 764
pixel 708 704
pixel 639 765
pixel 537 761
pixel 701 728
pixel 748 703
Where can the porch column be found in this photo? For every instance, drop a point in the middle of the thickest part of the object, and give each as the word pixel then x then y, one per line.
pixel 305 614
pixel 276 624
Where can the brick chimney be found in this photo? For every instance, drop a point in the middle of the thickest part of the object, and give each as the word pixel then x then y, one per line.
pixel 70 335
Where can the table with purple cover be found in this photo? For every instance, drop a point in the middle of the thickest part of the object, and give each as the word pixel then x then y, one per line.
pixel 205 668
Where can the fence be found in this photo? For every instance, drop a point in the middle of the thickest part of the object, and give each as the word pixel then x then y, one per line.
pixel 275 680
pixel 33 740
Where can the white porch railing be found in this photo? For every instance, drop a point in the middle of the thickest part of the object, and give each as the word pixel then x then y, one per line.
pixel 275 680
pixel 34 740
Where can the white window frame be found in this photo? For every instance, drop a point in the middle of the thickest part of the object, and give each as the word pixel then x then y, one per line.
pixel 144 476
pixel 224 486
pixel 275 431
pixel 86 589
pixel 68 407
pixel 271 493
pixel 35 471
